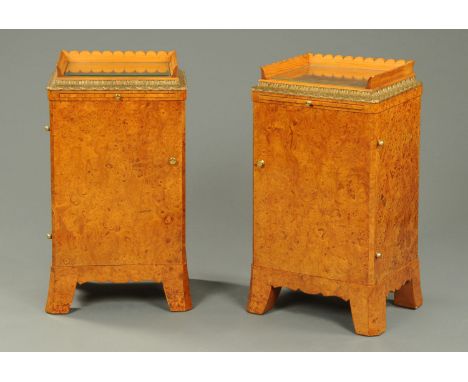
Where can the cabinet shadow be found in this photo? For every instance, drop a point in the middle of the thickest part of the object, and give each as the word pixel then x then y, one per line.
pixel 153 293
pixel 310 307
pixel 315 306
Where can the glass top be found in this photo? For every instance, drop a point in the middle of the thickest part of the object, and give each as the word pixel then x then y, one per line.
pixel 117 65
pixel 321 74
pixel 338 71
pixel 113 69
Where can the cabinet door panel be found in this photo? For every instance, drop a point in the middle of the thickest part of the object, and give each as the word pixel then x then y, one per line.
pixel 115 197
pixel 311 199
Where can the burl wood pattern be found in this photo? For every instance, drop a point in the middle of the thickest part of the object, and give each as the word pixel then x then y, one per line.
pixel 396 173
pixel 329 197
pixel 297 228
pixel 118 205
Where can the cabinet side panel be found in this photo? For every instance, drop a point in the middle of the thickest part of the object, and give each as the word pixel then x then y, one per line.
pixel 311 198
pixel 116 200
pixel 396 230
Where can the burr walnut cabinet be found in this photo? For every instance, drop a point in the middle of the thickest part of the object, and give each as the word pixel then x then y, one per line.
pixel 336 143
pixel 117 142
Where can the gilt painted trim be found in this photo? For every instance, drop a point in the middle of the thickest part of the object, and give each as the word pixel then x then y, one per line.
pixel 143 85
pixel 369 96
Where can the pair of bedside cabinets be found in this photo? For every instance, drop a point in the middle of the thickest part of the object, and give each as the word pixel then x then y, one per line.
pixel 336 151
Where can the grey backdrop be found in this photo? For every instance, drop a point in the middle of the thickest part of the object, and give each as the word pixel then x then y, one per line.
pixel 221 67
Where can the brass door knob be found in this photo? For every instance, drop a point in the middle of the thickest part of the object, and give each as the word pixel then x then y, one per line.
pixel 118 97
pixel 260 163
pixel 309 103
pixel 49 236
pixel 380 142
pixel 46 128
pixel 378 255
pixel 172 161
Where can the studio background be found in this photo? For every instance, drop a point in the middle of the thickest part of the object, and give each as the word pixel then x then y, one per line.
pixel 221 68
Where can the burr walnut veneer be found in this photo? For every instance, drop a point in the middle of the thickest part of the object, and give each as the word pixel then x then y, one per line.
pixel 336 142
pixel 117 139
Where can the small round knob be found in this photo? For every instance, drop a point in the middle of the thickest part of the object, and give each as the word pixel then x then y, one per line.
pixel 309 103
pixel 49 236
pixel 378 255
pixel 380 142
pixel 118 97
pixel 260 163
pixel 46 128
pixel 172 161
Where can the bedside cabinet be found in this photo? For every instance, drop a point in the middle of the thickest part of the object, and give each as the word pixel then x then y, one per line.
pixel 336 150
pixel 117 143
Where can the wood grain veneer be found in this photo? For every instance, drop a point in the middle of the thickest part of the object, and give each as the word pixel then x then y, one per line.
pixel 118 190
pixel 336 201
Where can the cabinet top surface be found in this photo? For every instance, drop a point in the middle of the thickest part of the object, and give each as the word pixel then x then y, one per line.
pixel 111 70
pixel 365 79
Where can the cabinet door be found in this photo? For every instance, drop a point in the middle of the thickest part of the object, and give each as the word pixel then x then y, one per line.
pixel 311 198
pixel 116 199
